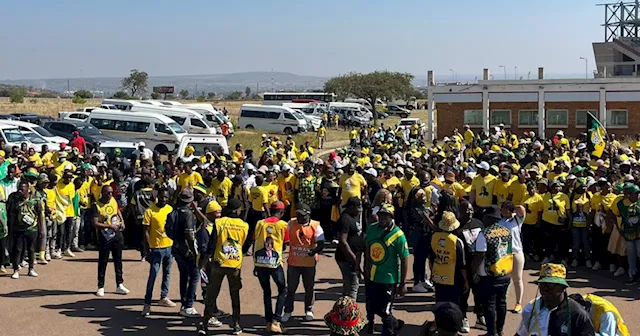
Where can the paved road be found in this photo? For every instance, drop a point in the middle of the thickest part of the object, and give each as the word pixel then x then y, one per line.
pixel 61 301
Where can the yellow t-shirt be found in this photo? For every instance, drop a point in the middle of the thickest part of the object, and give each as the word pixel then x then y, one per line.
pixel 390 184
pixel 533 206
pixel 66 192
pixel 555 206
pixel 232 233
pixel 322 131
pixel 602 203
pixel 258 197
pixel 407 185
pixel 272 190
pixel 156 218
pixel 220 190
pixel 353 134
pixel 501 189
pixel 456 189
pixel 60 169
pixel 468 137
pixel 553 176
pixel 483 187
pixel 47 158
pixel 518 192
pixel 302 156
pixel 286 187
pixel 635 144
pixel 192 180
pixel 83 193
pixel 237 157
pixel 351 186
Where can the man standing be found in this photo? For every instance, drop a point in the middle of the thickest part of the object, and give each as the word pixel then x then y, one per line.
pixel 271 235
pixel 107 219
pixel 225 248
pixel 140 202
pixel 447 261
pixel 307 240
pixel 65 192
pixel 154 220
pixel 350 247
pixel 143 151
pixel 25 217
pixel 386 267
pixel 78 142
pixel 322 132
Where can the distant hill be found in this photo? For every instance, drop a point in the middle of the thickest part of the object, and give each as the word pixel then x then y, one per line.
pixel 220 83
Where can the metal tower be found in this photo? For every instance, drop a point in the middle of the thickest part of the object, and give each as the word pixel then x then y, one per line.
pixel 621 20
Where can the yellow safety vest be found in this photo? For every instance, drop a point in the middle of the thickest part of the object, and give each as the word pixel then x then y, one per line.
pixel 232 233
pixel 444 246
pixel 601 306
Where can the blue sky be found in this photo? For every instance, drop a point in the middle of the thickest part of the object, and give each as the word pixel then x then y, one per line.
pixel 64 38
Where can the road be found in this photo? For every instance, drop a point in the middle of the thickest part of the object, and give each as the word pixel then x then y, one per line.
pixel 61 301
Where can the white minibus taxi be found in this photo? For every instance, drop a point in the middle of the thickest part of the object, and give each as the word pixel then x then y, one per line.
pixel 277 119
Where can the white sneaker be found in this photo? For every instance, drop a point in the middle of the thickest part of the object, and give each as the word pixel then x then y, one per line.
pixel 612 268
pixel 574 263
pixel 589 264
pixel 189 312
pixel 100 292
pixel 619 272
pixel 465 326
pixel 146 310
pixel 24 263
pixel 545 260
pixel 121 289
pixel 47 257
pixel 43 262
pixel 57 255
pixel 286 317
pixel 214 322
pixel 68 253
pixel 308 316
pixel 335 242
pixel 32 273
pixel 15 275
pixel 597 266
pixel 420 288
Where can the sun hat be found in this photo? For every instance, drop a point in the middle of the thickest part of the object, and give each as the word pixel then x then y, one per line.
pixel 449 222
pixel 186 196
pixel 387 208
pixel 582 146
pixel 448 316
pixel 213 206
pixel 554 274
pixel 345 317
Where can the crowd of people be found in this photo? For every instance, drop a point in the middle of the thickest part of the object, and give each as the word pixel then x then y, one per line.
pixel 474 208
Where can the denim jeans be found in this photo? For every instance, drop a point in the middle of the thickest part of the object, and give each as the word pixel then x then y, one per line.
pixel 264 276
pixel 159 256
pixel 350 280
pixel 580 237
pixel 494 300
pixel 633 251
pixel 308 275
pixel 189 279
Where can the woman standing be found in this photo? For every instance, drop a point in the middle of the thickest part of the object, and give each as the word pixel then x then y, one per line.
pixel 580 210
pixel 554 222
pixel 512 219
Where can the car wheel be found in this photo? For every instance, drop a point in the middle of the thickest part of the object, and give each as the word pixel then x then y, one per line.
pixel 162 149
pixel 404 115
pixel 410 107
pixel 249 127
pixel 288 131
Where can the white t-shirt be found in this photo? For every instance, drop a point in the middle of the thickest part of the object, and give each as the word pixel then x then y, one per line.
pixel 481 246
pixel 514 224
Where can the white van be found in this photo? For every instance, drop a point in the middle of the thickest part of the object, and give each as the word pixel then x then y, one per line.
pixel 210 114
pixel 191 121
pixel 356 107
pixel 366 103
pixel 271 118
pixel 159 132
pixel 30 127
pixel 216 143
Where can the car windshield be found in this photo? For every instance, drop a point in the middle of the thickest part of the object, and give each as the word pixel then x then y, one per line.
pixel 42 131
pixel 176 128
pixel 34 138
pixel 88 130
pixel 14 135
pixel 110 152
pixel 199 148
pixel 407 122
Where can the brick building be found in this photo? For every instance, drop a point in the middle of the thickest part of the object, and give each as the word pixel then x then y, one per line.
pixel 542 105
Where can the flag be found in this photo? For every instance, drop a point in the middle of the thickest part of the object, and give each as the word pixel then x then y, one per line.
pixel 595 136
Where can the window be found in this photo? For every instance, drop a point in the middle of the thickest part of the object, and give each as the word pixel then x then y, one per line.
pixel 617 118
pixel 161 128
pixel 500 117
pixel 473 117
pixel 528 117
pixel 197 123
pixel 558 118
pixel 581 117
pixel 14 135
pixel 289 116
pixel 179 120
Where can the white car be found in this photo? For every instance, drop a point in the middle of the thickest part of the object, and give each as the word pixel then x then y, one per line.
pixel 215 142
pixel 80 116
pixel 36 141
pixel 126 148
pixel 29 127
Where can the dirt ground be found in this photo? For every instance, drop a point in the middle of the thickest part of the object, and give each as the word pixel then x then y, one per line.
pixel 61 301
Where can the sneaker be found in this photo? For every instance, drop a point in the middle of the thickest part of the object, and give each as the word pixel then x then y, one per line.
pixel 237 329
pixel 214 322
pixel 90 247
pixel 3 270
pixel 166 302
pixel 286 317
pixel 632 281
pixel 420 288
pixel 15 275
pixel 77 249
pixel 619 272
pixel 220 314
pixel 43 262
pixel 100 292
pixel 32 273
pixel 588 264
pixel 518 308
pixel 597 266
pixel 24 264
pixel 146 310
pixel 189 312
pixel 481 323
pixel 612 268
pixel 574 263
pixel 308 316
pixel 275 328
pixel 122 290
pixel 57 255
pixel 68 253
pixel 47 256
pixel 335 242
pixel 546 260
pixel 465 326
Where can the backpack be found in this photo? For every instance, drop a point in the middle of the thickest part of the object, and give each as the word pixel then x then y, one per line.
pixel 171 226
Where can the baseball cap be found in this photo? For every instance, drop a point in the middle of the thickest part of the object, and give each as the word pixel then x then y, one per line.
pixel 213 206
pixel 372 172
pixel 387 208
pixel 484 165
pixel 448 316
pixel 277 205
pixel 303 208
pixel 234 204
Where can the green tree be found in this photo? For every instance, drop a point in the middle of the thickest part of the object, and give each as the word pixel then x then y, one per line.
pixel 247 92
pixel 78 100
pixel 202 99
pixel 211 95
pixel 372 86
pixel 83 94
pixel 155 95
pixel 184 94
pixel 120 95
pixel 17 95
pixel 136 83
pixel 235 95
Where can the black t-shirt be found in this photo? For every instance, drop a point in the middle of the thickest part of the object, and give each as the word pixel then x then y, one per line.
pixel 355 238
pixel 580 321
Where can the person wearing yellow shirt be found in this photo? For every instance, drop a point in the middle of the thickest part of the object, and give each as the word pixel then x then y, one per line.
pixel 220 188
pixel 271 186
pixel 63 165
pixel 351 184
pixel 482 188
pixel 414 131
pixel 580 209
pixel 65 192
pixel 238 154
pixel 469 136
pixel 286 189
pixel 455 188
pixel 406 184
pixel 189 178
pixel 518 188
pixel 389 181
pixel 322 133
pixel 533 205
pixel 302 154
pixel 501 186
pixel 554 221
pixel 259 198
pixel 562 141
pixel 153 222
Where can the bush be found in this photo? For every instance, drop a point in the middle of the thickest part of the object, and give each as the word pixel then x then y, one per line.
pixel 120 95
pixel 83 94
pixel 201 99
pixel 17 98
pixel 33 101
pixel 155 95
pixel 78 100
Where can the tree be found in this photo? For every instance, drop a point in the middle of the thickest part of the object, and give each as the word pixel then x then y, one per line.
pixel 211 95
pixel 235 95
pixel 78 100
pixel 372 86
pixel 247 91
pixel 136 83
pixel 184 94
pixel 17 95
pixel 83 94
pixel 120 95
pixel 155 95
pixel 201 99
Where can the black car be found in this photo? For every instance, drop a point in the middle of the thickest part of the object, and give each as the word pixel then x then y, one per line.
pixel 65 129
pixel 8 117
pixel 28 117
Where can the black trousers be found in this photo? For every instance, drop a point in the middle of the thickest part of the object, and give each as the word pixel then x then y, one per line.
pixel 252 220
pixel 65 234
pixel 3 250
pixel 531 240
pixel 451 293
pixel 599 243
pixel 379 301
pixel 477 300
pixel 23 242
pixel 555 238
pixel 494 299
pixel 139 241
pixel 113 247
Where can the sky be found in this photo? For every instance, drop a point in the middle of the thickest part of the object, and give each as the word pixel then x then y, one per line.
pixel 74 39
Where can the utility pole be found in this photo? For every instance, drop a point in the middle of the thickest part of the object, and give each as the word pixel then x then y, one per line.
pixel 586 67
pixel 505 71
pixel 196 94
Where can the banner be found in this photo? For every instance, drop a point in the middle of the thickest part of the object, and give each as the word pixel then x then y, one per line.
pixel 596 142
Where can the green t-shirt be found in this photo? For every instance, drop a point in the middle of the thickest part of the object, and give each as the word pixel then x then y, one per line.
pixel 385 249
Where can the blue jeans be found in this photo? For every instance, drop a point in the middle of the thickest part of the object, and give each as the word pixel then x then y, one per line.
pixel 157 257
pixel 189 278
pixel 264 276
pixel 581 237
pixel 633 249
pixel 350 280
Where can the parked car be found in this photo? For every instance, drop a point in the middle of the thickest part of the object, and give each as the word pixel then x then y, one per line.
pixel 399 111
pixel 215 142
pixel 11 136
pixel 126 148
pixel 65 129
pixel 8 117
pixel 37 141
pixel 29 127
pixel 80 116
pixel 28 117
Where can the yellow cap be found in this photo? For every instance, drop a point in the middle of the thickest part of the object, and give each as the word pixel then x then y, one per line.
pixel 213 206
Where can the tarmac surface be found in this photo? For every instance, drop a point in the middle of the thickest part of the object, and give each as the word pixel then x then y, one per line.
pixel 61 301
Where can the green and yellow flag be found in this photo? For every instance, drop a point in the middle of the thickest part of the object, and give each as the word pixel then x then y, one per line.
pixel 596 142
